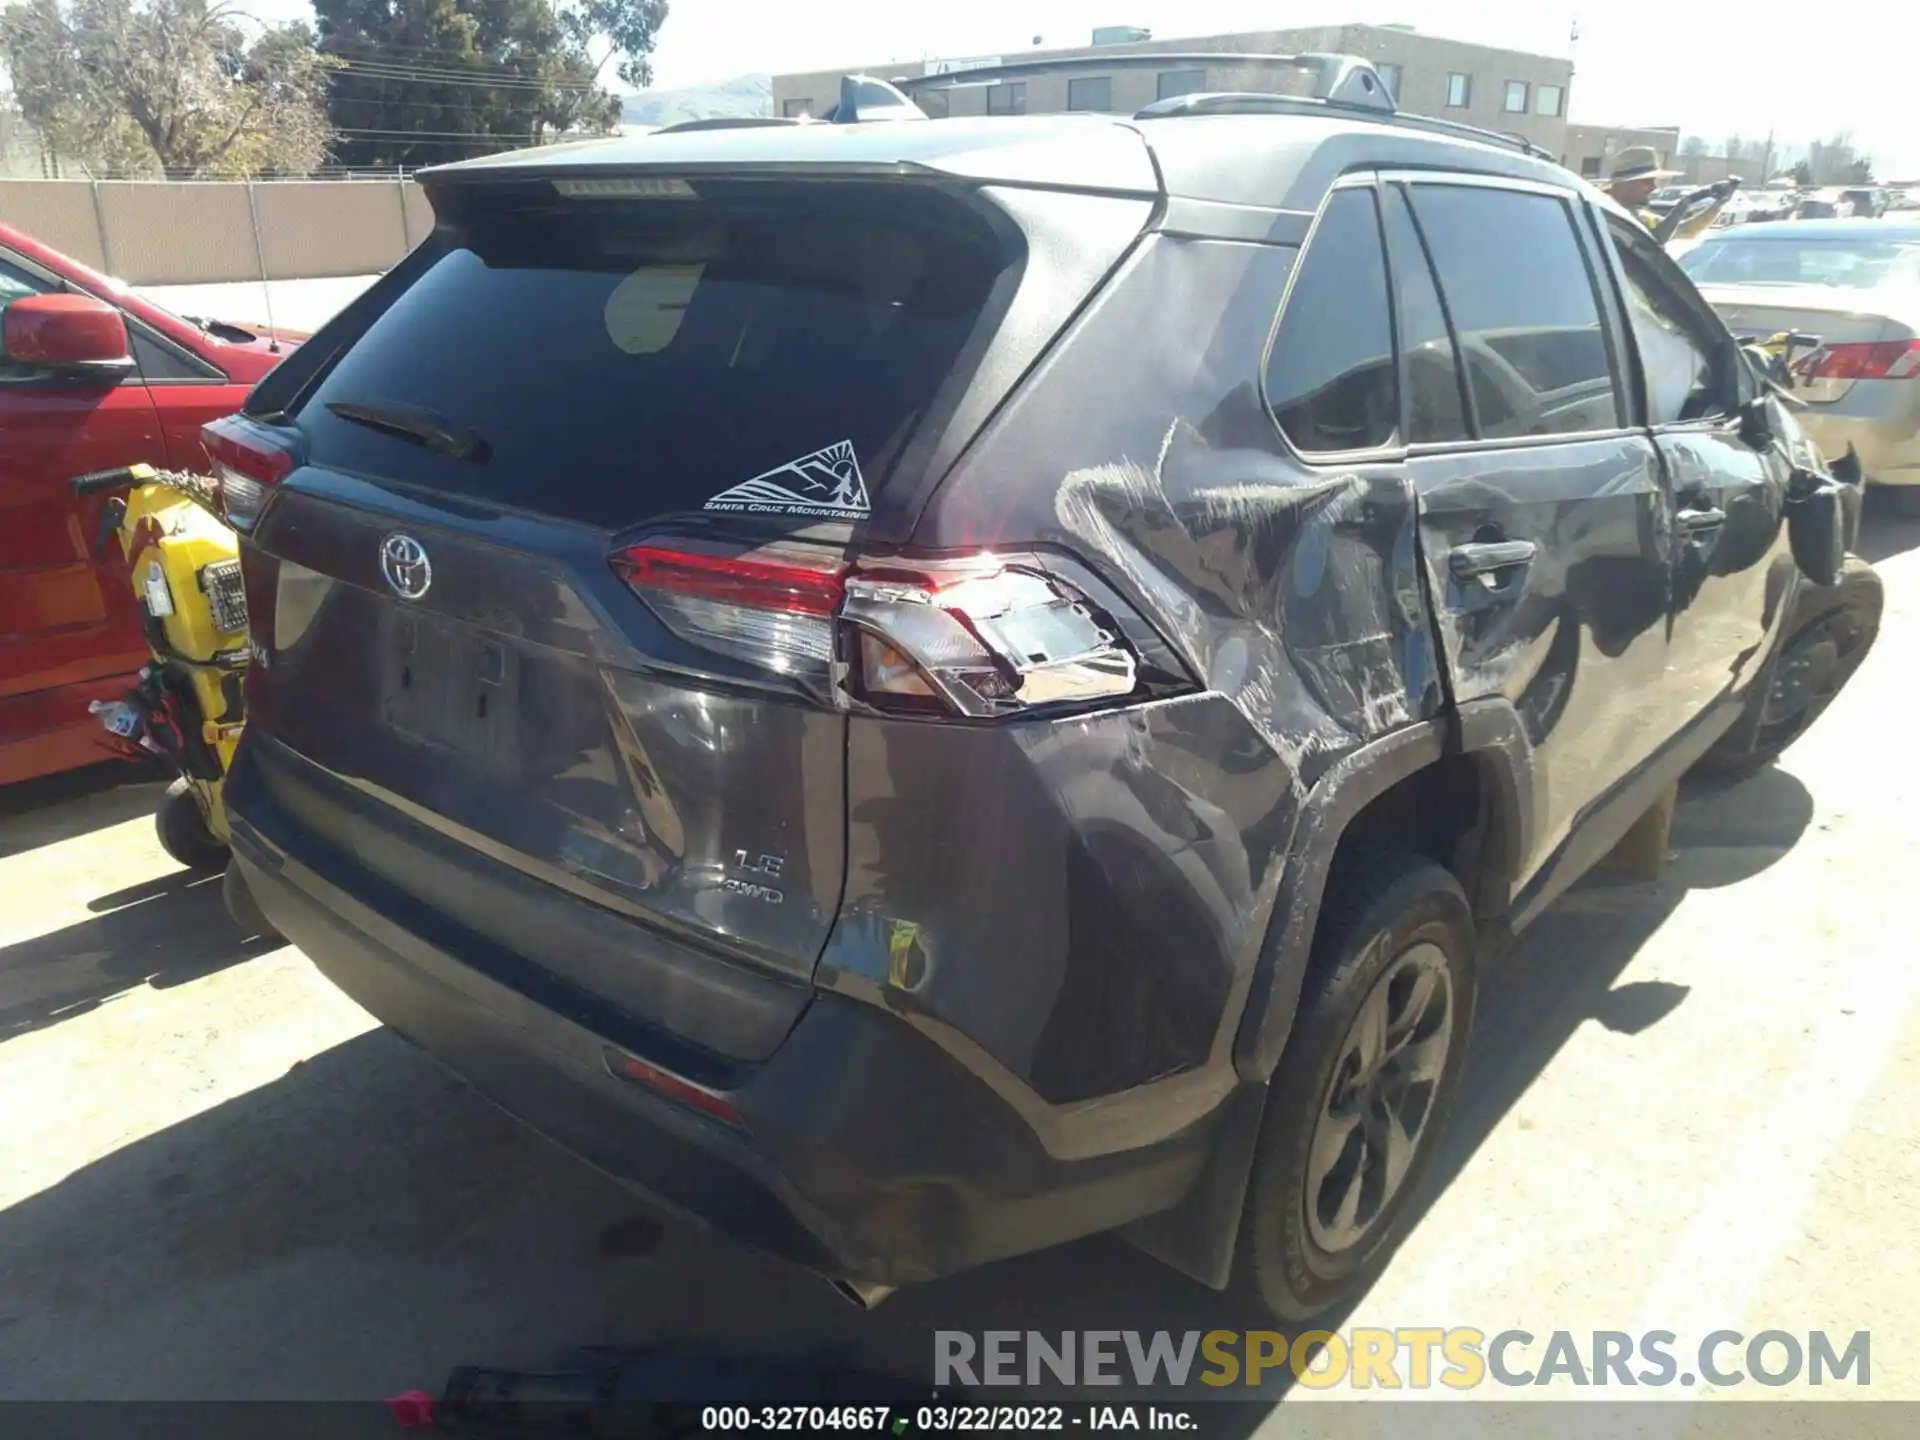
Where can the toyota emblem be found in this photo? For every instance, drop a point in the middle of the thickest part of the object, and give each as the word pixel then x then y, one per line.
pixel 403 560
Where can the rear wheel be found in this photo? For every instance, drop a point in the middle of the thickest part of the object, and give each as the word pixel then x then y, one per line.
pixel 1826 647
pixel 1365 1086
pixel 182 828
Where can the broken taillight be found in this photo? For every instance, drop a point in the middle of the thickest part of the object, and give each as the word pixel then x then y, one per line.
pixel 1863 360
pixel 980 636
pixel 248 461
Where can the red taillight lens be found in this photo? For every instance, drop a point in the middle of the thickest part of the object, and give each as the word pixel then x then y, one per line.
pixel 248 460
pixel 772 606
pixel 980 636
pixel 1863 360
pixel 789 581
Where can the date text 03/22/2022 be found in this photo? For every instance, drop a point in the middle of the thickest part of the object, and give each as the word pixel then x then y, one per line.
pixel 884 1420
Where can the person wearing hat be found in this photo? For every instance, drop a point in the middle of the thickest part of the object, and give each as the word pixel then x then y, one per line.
pixel 1636 174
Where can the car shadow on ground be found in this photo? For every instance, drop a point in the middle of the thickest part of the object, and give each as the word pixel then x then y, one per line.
pixel 161 932
pixel 364 1223
pixel 1885 533
pixel 78 802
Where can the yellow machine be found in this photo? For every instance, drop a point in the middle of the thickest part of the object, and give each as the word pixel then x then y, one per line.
pixel 189 705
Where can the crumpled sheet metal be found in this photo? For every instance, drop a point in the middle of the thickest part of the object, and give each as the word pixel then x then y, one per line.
pixel 1293 589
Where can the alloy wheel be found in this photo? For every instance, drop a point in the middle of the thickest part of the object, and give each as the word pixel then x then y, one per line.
pixel 1375 1113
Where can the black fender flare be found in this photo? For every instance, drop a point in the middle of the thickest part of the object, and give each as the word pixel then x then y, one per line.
pixel 1199 1235
pixel 1490 729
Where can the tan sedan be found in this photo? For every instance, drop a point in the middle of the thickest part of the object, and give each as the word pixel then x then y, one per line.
pixel 1856 285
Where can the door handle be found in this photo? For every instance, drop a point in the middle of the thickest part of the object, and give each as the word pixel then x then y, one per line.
pixel 1489 557
pixel 1702 521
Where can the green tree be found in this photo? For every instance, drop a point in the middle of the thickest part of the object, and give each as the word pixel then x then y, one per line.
pixel 1802 173
pixel 180 87
pixel 425 81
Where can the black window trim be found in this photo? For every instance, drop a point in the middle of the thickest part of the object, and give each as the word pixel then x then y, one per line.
pixel 1568 196
pixel 210 374
pixel 1362 179
pixel 1469 407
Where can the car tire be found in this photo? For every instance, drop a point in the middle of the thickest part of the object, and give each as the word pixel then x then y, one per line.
pixel 1393 927
pixel 1832 633
pixel 242 908
pixel 183 832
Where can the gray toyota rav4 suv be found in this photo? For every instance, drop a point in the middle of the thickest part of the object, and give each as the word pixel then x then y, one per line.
pixel 920 690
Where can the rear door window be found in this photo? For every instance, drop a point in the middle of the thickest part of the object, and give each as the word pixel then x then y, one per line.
pixel 1518 288
pixel 1330 374
pixel 619 360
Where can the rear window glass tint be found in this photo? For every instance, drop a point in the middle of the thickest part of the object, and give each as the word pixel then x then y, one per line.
pixel 1522 303
pixel 625 360
pixel 1330 377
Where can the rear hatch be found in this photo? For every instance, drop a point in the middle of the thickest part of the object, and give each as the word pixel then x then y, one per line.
pixel 480 708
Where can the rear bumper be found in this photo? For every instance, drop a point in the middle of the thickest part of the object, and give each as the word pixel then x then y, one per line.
pixel 868 1152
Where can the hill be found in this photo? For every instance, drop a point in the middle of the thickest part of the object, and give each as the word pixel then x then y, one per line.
pixel 743 95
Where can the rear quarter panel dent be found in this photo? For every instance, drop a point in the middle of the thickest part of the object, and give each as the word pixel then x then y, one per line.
pixel 1143 447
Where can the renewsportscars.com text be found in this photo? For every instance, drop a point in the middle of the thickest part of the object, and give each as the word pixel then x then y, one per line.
pixel 1415 1358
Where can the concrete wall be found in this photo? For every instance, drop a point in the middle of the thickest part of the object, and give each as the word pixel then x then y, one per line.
pixel 204 232
pixel 1424 61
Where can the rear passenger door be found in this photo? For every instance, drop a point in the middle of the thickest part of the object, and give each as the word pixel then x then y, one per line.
pixel 1731 563
pixel 1543 516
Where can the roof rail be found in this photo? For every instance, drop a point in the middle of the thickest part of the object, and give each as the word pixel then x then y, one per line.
pixel 1261 103
pixel 1344 80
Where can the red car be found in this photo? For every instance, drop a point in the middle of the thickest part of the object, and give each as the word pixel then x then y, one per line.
pixel 91 377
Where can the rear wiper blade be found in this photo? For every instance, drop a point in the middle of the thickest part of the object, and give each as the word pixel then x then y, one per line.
pixel 416 423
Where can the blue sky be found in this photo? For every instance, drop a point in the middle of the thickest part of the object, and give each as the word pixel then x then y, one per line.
pixel 1803 69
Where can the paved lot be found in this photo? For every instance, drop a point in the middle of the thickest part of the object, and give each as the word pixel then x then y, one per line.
pixel 1691 1106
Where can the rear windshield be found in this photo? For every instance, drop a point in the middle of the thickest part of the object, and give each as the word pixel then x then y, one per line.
pixel 1846 264
pixel 610 361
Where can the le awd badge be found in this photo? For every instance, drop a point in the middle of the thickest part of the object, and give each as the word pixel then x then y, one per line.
pixel 826 484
